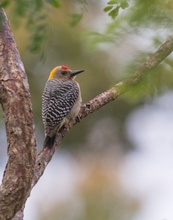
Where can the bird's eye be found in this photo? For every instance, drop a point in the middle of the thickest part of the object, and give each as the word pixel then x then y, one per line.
pixel 63 73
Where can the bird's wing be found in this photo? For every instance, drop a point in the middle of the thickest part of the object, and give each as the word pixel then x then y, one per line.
pixel 49 89
pixel 61 101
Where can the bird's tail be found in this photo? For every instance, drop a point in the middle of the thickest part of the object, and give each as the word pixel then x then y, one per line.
pixel 49 141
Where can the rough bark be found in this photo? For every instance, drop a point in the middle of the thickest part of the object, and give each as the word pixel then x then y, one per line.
pixel 16 103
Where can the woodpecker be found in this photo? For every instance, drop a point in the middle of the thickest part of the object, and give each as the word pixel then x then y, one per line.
pixel 61 101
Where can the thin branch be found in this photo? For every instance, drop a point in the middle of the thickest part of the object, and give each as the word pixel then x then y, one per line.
pixel 128 84
pixel 16 103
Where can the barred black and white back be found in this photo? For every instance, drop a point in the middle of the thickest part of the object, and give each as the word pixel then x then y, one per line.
pixel 61 99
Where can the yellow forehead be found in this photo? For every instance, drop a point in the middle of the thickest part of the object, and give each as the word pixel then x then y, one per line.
pixel 52 73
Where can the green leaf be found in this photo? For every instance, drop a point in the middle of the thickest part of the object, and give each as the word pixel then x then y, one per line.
pixel 108 8
pixel 38 4
pixel 4 3
pixel 114 12
pixel 55 3
pixel 75 18
pixel 112 2
pixel 124 4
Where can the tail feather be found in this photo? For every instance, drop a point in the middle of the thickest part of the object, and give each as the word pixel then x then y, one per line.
pixel 49 141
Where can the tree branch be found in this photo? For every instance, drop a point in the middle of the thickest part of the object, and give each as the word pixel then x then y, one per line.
pixel 127 84
pixel 16 103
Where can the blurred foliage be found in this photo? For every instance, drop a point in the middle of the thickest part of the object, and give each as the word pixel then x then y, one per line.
pixel 55 3
pixel 35 13
pixel 114 6
pixel 129 17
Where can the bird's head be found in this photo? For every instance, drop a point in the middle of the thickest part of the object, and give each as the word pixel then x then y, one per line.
pixel 64 73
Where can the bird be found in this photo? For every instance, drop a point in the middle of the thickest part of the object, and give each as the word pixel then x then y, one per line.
pixel 61 101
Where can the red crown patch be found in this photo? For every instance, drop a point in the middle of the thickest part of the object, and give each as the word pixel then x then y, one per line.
pixel 64 67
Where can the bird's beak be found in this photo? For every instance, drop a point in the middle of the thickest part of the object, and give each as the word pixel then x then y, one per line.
pixel 75 72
